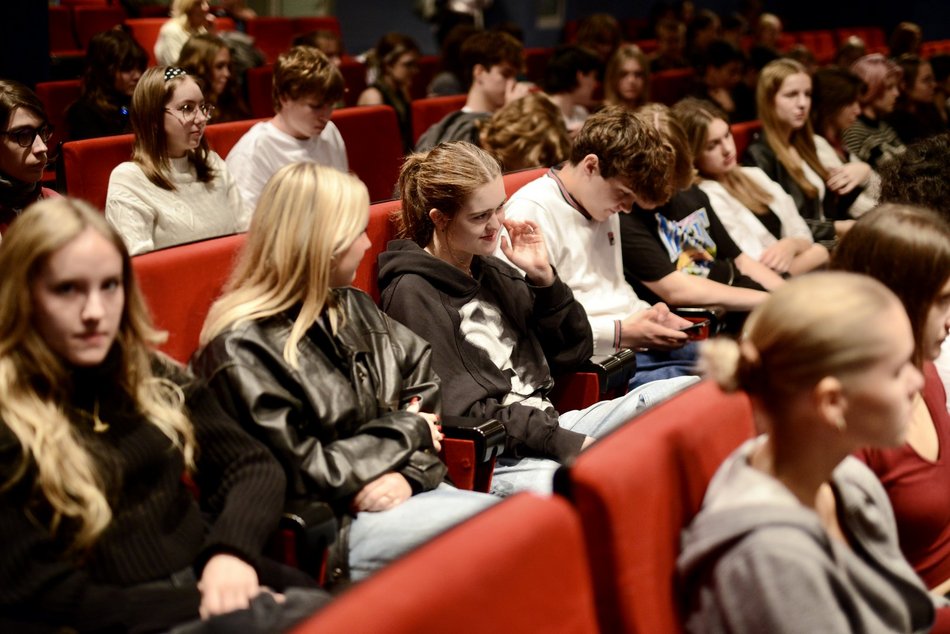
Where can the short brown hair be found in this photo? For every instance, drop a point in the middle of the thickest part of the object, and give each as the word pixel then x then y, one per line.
pixel 489 48
pixel 528 132
pixel 660 117
pixel 630 149
pixel 305 71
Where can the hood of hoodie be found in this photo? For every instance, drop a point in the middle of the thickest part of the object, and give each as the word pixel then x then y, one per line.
pixel 403 257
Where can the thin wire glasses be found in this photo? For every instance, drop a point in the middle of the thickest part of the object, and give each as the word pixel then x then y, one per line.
pixel 187 112
pixel 25 137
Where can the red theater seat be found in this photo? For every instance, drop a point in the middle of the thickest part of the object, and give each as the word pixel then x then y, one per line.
pixel 669 86
pixel 637 488
pixel 62 36
pixel 821 44
pixel 743 133
pixel 92 19
pixel 271 35
pixel 222 136
pixel 321 23
pixel 56 97
pixel 260 81
pixel 89 163
pixel 429 111
pixel 373 146
pixel 518 567
pixel 428 69
pixel 535 63
pixel 145 31
pixel 354 78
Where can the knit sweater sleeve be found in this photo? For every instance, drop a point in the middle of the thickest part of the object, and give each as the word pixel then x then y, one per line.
pixel 131 213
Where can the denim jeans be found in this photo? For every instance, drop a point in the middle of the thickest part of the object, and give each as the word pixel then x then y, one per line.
pixel 656 365
pixel 378 538
pixel 536 474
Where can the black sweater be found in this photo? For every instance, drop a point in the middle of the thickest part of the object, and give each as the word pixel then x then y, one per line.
pixel 157 529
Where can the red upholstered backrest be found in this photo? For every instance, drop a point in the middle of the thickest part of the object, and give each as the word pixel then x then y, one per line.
pixel 272 35
pixel 260 81
pixel 380 231
pixel 516 180
pixel 536 62
pixel 62 37
pixel 354 78
pixel 518 567
pixel 742 134
pixel 92 19
pixel 89 163
pixel 222 136
pixel 316 23
pixel 180 283
pixel 145 31
pixel 427 112
pixel 636 489
pixel 821 43
pixel 373 146
pixel 669 86
pixel 429 66
pixel 56 97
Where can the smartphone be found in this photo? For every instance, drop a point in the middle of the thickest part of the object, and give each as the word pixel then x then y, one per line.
pixel 697 329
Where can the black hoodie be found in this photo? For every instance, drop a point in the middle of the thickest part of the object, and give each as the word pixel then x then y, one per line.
pixel 466 319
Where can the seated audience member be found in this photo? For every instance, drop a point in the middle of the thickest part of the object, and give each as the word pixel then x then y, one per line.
pixel 795 534
pixel 616 160
pixel 448 81
pixel 914 116
pixel 720 72
pixel 760 217
pixel 114 64
pixel 326 41
pixel 345 397
pixel 786 152
pixel 743 94
pixel 175 189
pixel 237 10
pixel 908 249
pixel 703 29
pixel 905 40
pixel 396 59
pixel 921 176
pixel 100 532
pixel 600 33
pixel 768 32
pixel 490 63
pixel 23 150
pixel 670 53
pixel 189 17
pixel 528 132
pixel 570 79
pixel 734 28
pixel 870 138
pixel 306 85
pixel 679 252
pixel 496 336
pixel 850 51
pixel 207 59
pixel 627 78
pixel 835 107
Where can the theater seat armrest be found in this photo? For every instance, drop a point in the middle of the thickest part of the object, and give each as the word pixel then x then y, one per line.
pixel 715 315
pixel 613 371
pixel 314 528
pixel 489 435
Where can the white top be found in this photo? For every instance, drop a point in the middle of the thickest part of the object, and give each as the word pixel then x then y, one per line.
pixel 586 254
pixel 149 217
pixel 264 149
pixel 867 199
pixel 171 39
pixel 744 226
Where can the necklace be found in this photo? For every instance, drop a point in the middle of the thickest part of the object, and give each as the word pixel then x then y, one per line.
pixel 98 425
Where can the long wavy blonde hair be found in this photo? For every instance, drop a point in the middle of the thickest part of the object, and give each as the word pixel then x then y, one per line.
pixel 307 216
pixel 35 382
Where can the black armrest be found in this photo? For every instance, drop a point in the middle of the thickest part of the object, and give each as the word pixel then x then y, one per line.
pixel 314 527
pixel 613 371
pixel 715 315
pixel 489 435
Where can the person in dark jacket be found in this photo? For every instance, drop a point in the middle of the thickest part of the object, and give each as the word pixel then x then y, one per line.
pixel 99 530
pixel 345 397
pixel 496 335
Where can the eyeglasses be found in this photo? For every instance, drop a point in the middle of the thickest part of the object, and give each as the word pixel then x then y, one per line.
pixel 189 112
pixel 25 137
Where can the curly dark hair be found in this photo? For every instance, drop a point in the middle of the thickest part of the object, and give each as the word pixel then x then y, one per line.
pixel 920 176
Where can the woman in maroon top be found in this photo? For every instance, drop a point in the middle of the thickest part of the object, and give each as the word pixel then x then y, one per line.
pixel 908 249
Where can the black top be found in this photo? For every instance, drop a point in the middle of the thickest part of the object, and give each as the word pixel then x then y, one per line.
pixel 86 120
pixel 683 235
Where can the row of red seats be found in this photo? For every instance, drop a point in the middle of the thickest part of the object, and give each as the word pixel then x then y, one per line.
pixel 603 563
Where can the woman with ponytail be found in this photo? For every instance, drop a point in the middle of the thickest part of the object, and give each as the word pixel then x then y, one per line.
pixel 99 531
pixel 795 534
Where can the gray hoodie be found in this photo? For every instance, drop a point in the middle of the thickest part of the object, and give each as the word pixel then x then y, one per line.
pixel 756 560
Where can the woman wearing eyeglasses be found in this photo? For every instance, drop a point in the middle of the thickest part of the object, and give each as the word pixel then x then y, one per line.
pixel 23 150
pixel 175 189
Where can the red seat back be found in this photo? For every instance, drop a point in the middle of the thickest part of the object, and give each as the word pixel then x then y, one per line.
pixel 222 136
pixel 272 35
pixel 637 488
pixel 429 66
pixel 380 231
pixel 180 283
pixel 516 180
pixel 62 37
pixel 373 146
pixel 669 86
pixel 354 78
pixel 648 45
pixel 260 83
pixel 317 23
pixel 145 31
pixel 92 19
pixel 536 62
pixel 56 97
pixel 429 111
pixel 821 44
pixel 518 567
pixel 89 164
pixel 742 134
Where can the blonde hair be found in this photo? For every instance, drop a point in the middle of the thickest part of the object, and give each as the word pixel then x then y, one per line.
pixel 180 10
pixel 695 115
pixel 35 382
pixel 625 53
pixel 777 138
pixel 812 327
pixel 150 151
pixel 306 216
pixel 528 132
pixel 304 71
pixel 443 178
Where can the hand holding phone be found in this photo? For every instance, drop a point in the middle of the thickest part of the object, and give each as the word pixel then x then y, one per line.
pixel 696 330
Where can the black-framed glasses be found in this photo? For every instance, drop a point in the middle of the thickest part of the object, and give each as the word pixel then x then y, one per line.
pixel 189 112
pixel 25 137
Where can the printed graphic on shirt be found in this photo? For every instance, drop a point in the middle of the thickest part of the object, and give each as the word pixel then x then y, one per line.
pixel 688 242
pixel 484 327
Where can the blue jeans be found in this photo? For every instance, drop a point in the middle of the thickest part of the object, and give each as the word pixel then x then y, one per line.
pixel 378 538
pixel 536 474
pixel 656 365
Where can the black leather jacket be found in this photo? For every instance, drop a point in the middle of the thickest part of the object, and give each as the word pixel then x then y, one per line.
pixel 339 421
